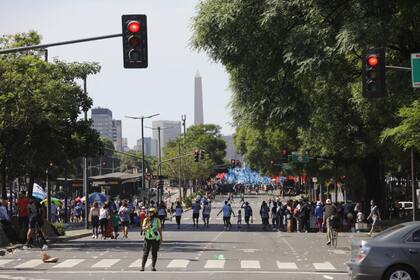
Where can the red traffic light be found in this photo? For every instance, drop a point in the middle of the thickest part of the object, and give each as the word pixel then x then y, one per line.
pixel 134 26
pixel 284 152
pixel 372 60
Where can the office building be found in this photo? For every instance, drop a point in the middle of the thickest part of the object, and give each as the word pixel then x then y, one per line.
pixel 169 130
pixel 150 146
pixel 107 127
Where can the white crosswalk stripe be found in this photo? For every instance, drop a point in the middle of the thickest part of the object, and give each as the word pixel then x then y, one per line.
pixel 3 262
pixel 286 265
pixel 178 264
pixel 173 264
pixel 324 266
pixel 214 264
pixel 137 263
pixel 250 264
pixel 105 263
pixel 69 263
pixel 30 264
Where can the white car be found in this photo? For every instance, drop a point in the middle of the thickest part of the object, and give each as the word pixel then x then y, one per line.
pixel 407 205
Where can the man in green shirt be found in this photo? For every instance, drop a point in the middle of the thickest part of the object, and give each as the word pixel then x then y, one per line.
pixel 152 229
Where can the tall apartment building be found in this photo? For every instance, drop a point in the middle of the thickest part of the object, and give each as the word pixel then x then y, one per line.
pixel 150 146
pixel 107 127
pixel 169 130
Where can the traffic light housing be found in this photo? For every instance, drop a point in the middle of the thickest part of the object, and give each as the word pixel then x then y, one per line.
pixel 284 157
pixel 197 155
pixel 134 34
pixel 232 163
pixel 238 163
pixel 373 72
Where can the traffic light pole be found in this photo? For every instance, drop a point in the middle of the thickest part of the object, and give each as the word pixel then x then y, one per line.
pixel 42 46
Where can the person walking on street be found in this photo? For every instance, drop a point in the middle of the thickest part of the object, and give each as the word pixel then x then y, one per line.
pixel 264 213
pixel 6 224
pixel 178 214
pixel 94 219
pixel 227 211
pixel 104 216
pixel 142 216
pixel 247 213
pixel 23 218
pixel 124 214
pixel 196 212
pixel 206 213
pixel 162 213
pixel 375 216
pixel 152 238
pixel 330 212
pixel 319 213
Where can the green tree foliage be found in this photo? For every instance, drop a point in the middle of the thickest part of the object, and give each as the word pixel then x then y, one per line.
pixel 40 104
pixel 407 134
pixel 204 137
pixel 295 65
pixel 132 160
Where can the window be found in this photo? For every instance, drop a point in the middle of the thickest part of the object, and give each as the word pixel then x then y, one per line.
pixel 416 236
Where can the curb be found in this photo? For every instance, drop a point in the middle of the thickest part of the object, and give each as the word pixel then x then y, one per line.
pixel 67 238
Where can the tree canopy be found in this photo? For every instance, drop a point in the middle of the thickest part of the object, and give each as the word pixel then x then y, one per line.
pixel 295 66
pixel 40 104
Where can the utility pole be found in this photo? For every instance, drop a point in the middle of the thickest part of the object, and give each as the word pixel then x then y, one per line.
pixel 159 193
pixel 413 186
pixel 183 118
pixel 85 179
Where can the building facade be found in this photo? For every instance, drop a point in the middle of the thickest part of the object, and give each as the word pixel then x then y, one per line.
pixel 150 146
pixel 107 127
pixel 169 130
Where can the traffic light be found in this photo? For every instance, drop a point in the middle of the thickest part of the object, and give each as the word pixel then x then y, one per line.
pixel 134 33
pixel 197 155
pixel 202 155
pixel 238 163
pixel 232 163
pixel 284 154
pixel 373 71
pixel 272 162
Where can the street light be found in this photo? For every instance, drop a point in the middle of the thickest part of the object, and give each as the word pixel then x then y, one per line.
pixel 142 143
pixel 159 154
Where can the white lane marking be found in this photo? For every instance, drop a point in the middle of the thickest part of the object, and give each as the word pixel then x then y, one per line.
pixel 105 263
pixel 120 272
pixel 30 264
pixel 323 266
pixel 250 264
pixel 215 264
pixel 3 262
pixel 249 250
pixel 286 265
pixel 137 263
pixel 328 277
pixel 288 244
pixel 178 264
pixel 69 263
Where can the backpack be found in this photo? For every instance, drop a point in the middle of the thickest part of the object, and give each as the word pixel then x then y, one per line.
pixel 264 212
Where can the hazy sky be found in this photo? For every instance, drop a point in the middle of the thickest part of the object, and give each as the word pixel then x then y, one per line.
pixel 165 87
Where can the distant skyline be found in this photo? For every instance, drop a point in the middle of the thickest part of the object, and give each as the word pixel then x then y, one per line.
pixel 165 87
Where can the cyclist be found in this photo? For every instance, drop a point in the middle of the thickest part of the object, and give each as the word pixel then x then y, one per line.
pixel 330 212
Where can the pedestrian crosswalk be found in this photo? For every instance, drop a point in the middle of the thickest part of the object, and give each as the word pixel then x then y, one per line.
pixel 174 264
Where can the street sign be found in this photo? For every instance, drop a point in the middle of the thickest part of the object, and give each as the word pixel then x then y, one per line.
pixel 415 69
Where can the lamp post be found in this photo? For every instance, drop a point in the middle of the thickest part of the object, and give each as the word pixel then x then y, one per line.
pixel 142 144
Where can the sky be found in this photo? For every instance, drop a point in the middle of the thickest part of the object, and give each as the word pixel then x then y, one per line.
pixel 165 87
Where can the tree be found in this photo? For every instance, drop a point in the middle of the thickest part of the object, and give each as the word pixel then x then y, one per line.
pixel 294 65
pixel 40 103
pixel 206 138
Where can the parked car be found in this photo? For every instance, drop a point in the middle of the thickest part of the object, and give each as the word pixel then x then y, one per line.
pixel 392 254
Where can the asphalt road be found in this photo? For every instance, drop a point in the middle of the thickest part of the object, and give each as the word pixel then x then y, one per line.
pixel 189 253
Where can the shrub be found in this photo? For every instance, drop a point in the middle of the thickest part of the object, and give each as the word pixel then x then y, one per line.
pixel 58 229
